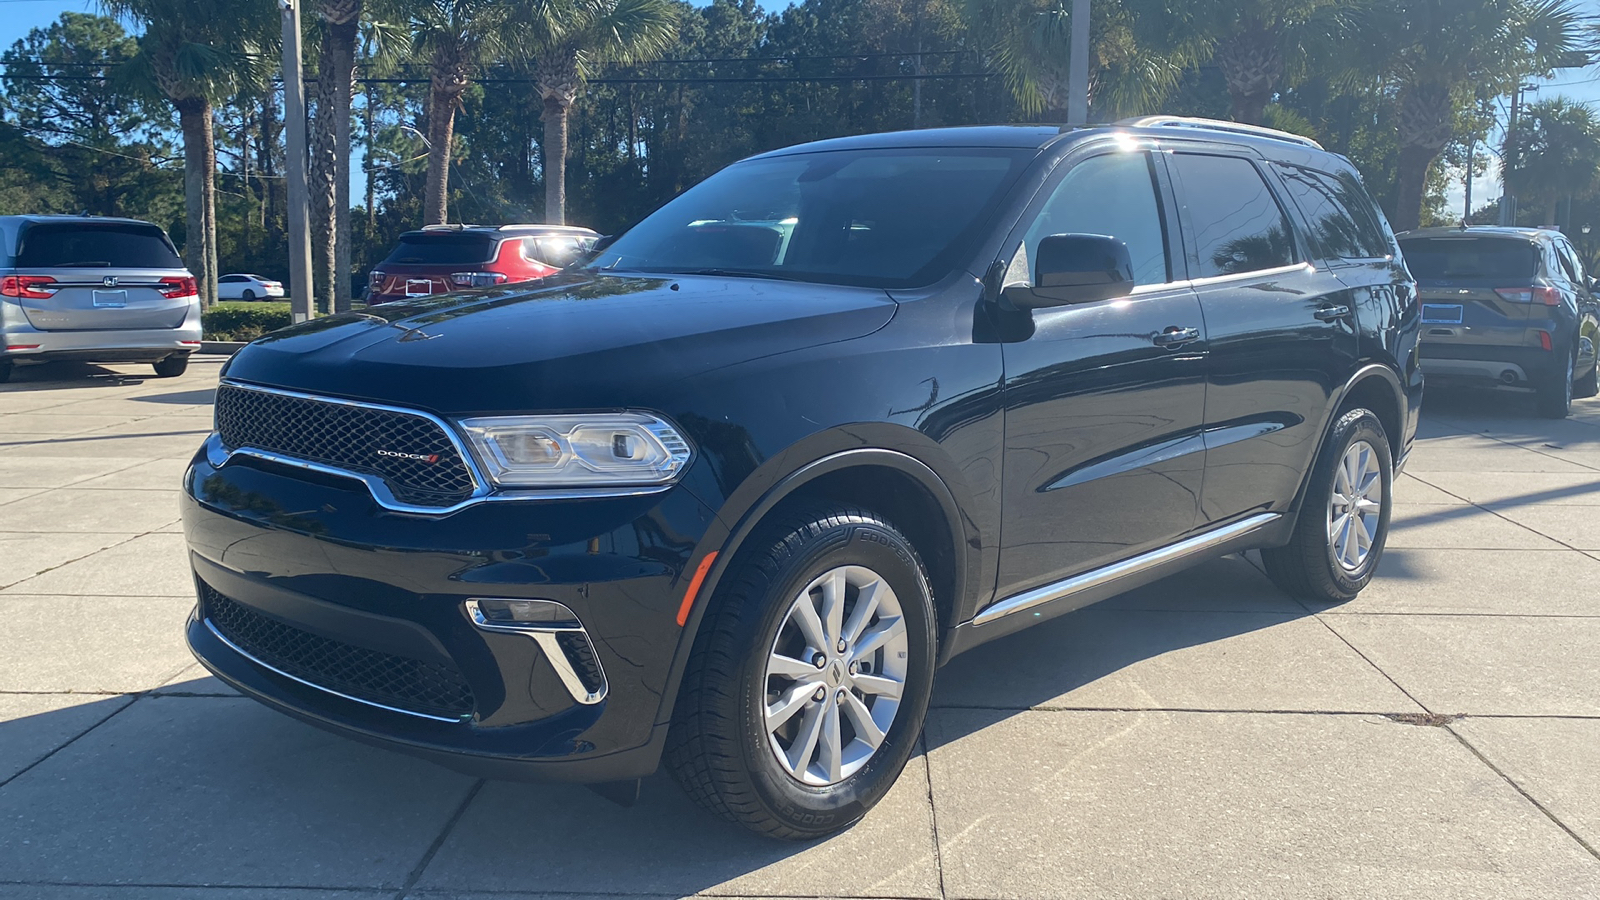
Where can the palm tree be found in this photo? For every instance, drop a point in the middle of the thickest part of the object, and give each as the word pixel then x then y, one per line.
pixel 191 57
pixel 1259 45
pixel 456 37
pixel 567 39
pixel 1028 41
pixel 1432 55
pixel 1553 153
pixel 329 173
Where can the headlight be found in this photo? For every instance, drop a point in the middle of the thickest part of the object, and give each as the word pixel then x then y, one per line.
pixel 598 450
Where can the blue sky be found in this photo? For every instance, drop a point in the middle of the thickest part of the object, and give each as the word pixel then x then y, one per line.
pixel 18 16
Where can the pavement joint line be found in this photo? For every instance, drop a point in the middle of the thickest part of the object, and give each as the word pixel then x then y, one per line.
pixel 1200 710
pixel 155 693
pixel 88 477
pixel 208 886
pixel 67 743
pixel 6 587
pixel 933 811
pixel 1377 668
pixel 1537 450
pixel 1502 518
pixel 1460 615
pixel 1525 795
pixel 438 842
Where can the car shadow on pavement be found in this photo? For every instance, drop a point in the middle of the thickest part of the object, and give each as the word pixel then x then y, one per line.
pixel 62 375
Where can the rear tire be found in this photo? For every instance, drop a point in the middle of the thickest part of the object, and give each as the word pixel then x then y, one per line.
pixel 5 370
pixel 1554 399
pixel 761 738
pixel 172 366
pixel 248 295
pixel 1344 521
pixel 1588 385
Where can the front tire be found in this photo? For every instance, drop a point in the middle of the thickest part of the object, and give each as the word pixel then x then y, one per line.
pixel 5 370
pixel 809 680
pixel 1344 521
pixel 1588 385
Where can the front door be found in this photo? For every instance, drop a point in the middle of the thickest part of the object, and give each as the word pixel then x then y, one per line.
pixel 1105 401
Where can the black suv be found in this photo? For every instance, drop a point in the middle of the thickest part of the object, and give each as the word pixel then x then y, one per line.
pixel 728 493
pixel 1506 307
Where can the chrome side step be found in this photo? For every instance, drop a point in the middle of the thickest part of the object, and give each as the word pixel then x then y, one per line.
pixel 1089 580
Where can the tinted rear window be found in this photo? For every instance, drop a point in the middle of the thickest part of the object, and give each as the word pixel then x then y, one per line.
pixel 442 249
pixel 1463 258
pixel 110 245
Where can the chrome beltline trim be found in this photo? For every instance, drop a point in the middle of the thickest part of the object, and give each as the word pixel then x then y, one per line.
pixel 325 689
pixel 1079 583
pixel 219 455
pixel 546 639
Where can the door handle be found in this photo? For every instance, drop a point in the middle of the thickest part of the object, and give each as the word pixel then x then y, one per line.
pixel 1175 337
pixel 1332 313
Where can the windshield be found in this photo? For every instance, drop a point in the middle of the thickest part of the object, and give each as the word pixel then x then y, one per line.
pixel 442 249
pixel 116 245
pixel 1446 258
pixel 875 218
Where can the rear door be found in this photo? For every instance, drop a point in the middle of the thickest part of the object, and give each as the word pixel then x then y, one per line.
pixel 1476 290
pixel 1281 330
pixel 102 276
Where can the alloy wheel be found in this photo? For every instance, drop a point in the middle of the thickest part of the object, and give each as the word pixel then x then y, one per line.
pixel 835 675
pixel 1355 508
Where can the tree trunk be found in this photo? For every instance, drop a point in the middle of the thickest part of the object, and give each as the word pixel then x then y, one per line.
pixel 346 35
pixel 208 287
pixel 555 162
pixel 191 115
pixel 1252 64
pixel 1425 130
pixel 441 130
pixel 372 141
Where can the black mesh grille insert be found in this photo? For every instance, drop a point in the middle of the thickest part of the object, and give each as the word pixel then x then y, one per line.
pixel 575 644
pixel 411 453
pixel 398 681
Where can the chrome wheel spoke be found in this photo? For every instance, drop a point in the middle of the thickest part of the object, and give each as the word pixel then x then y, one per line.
pixel 833 607
pixel 789 667
pixel 861 717
pixel 885 631
pixel 1355 505
pixel 804 747
pixel 805 618
pixel 883 687
pixel 789 702
pixel 830 750
pixel 866 606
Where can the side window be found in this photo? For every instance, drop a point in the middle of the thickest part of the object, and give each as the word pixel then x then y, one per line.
pixel 1235 224
pixel 1330 205
pixel 1112 195
pixel 557 251
pixel 1569 261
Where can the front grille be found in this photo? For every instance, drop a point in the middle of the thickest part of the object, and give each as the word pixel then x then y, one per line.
pixel 398 681
pixel 349 438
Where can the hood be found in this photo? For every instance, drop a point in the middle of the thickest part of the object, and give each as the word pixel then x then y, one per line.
pixel 568 342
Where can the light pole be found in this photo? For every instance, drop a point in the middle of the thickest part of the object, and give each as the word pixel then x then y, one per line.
pixel 1078 66
pixel 294 108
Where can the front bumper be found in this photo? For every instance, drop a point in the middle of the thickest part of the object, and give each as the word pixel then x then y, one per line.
pixel 315 554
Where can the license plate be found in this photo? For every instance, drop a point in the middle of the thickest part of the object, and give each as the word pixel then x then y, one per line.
pixel 111 299
pixel 419 288
pixel 1441 313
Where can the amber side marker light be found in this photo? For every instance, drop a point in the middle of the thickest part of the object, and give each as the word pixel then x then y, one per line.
pixel 694 587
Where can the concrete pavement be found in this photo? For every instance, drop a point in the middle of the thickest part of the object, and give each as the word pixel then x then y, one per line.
pixel 1204 737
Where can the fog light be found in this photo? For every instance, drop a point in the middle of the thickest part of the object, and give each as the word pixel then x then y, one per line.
pixel 522 613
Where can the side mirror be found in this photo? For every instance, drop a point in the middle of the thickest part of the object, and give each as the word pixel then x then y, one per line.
pixel 1076 268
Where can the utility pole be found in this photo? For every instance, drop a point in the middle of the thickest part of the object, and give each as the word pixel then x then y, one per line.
pixel 1078 66
pixel 294 107
pixel 1508 200
pixel 1472 158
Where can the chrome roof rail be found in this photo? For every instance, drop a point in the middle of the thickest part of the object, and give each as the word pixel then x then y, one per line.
pixel 1216 125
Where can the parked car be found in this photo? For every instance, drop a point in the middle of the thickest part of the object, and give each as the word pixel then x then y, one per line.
pixel 248 287
pixel 1510 308
pixel 94 289
pixel 727 497
pixel 442 258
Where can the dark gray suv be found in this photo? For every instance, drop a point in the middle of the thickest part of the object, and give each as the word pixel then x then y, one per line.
pixel 94 289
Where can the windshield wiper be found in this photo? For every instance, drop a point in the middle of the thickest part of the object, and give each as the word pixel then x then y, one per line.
pixel 740 273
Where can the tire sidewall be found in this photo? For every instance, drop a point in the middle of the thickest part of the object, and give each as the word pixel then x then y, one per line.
pixel 822 809
pixel 1358 425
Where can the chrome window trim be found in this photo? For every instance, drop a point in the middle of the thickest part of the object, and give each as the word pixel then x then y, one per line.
pixel 324 688
pixel 545 637
pixel 1250 276
pixel 1171 553
pixel 483 491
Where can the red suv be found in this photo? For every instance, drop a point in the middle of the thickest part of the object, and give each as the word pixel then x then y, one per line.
pixel 442 258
